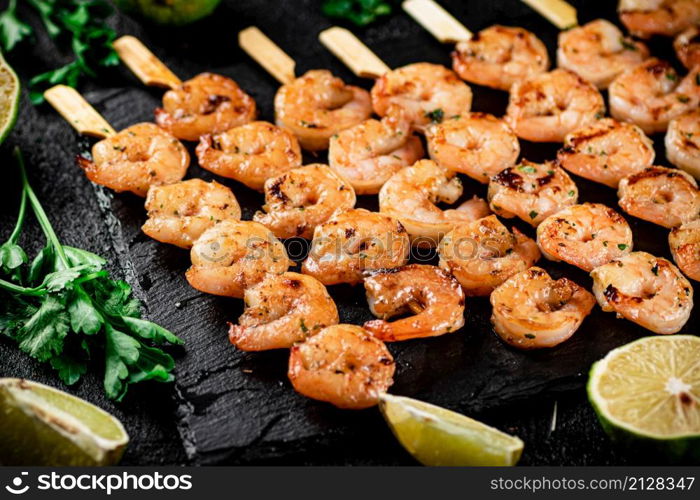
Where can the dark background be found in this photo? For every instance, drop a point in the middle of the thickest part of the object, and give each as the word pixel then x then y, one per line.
pixel 229 407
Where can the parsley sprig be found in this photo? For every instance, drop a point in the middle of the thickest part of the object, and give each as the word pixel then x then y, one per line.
pixel 82 22
pixel 64 309
pixel 360 12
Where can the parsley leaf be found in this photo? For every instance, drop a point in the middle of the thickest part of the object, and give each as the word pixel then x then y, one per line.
pixel 359 12
pixel 12 29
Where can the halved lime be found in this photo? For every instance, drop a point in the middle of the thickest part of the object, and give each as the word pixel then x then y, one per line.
pixel 647 396
pixel 169 12
pixel 40 425
pixel 439 437
pixel 9 98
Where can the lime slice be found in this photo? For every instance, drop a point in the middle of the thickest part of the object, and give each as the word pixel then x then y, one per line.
pixel 9 98
pixel 436 436
pixel 647 396
pixel 40 425
pixel 169 12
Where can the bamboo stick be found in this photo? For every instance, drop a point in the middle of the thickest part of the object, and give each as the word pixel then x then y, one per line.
pixel 144 64
pixel 440 23
pixel 267 54
pixel 354 54
pixel 76 111
pixel 558 12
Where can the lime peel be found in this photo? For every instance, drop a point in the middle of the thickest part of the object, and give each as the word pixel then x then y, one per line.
pixel 9 98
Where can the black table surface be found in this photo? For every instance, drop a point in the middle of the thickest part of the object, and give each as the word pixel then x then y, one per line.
pixel 228 407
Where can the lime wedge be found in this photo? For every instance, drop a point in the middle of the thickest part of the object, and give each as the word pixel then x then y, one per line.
pixel 439 437
pixel 9 98
pixel 40 425
pixel 647 396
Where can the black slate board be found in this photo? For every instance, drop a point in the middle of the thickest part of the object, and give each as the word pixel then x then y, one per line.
pixel 239 408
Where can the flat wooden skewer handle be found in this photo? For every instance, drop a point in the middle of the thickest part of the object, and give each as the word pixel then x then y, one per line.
pixel 354 54
pixel 558 12
pixel 76 111
pixel 144 64
pixel 440 23
pixel 267 54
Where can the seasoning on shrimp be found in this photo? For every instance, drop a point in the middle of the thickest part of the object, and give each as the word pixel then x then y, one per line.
pixel 318 105
pixel 644 18
pixel 281 310
pixel 206 104
pixel 531 191
pixel 532 311
pixel 477 144
pixel 303 198
pixel 411 194
pixel 371 152
pixel 652 94
pixel 135 159
pixel 343 365
pixel 546 107
pixel 232 256
pixel 685 248
pixel 499 56
pixel 179 213
pixel 434 298
pixel 483 254
pixel 687 47
pixel 586 236
pixel 683 142
pixel 250 154
pixel 426 92
pixel 353 242
pixel 599 52
pixel 646 290
pixel 665 196
pixel 606 151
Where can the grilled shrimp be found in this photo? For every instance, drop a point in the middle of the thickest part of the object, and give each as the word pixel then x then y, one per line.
pixel 234 255
pixel 665 196
pixel 477 144
pixel 250 154
pixel 531 191
pixel 687 47
pixel 685 248
pixel 483 254
pixel 411 194
pixel 317 105
pixel 135 159
pixel 606 151
pixel 644 18
pixel 499 56
pixel 302 198
pixel 531 310
pixel 426 92
pixel 683 142
pixel 652 94
pixel 280 310
pixel 206 104
pixel 355 241
pixel 343 365
pixel 433 296
pixel 179 213
pixel 599 52
pixel 586 236
pixel 546 107
pixel 371 152
pixel 646 290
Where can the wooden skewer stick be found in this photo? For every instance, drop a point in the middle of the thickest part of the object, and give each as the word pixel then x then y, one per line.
pixel 354 54
pixel 267 54
pixel 440 23
pixel 558 12
pixel 144 64
pixel 76 111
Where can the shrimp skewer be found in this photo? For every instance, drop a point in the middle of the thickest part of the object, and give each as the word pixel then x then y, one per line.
pixel 646 290
pixel 687 47
pixel 644 18
pixel 685 248
pixel 134 159
pixel 683 142
pixel 315 106
pixel 531 310
pixel 427 93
